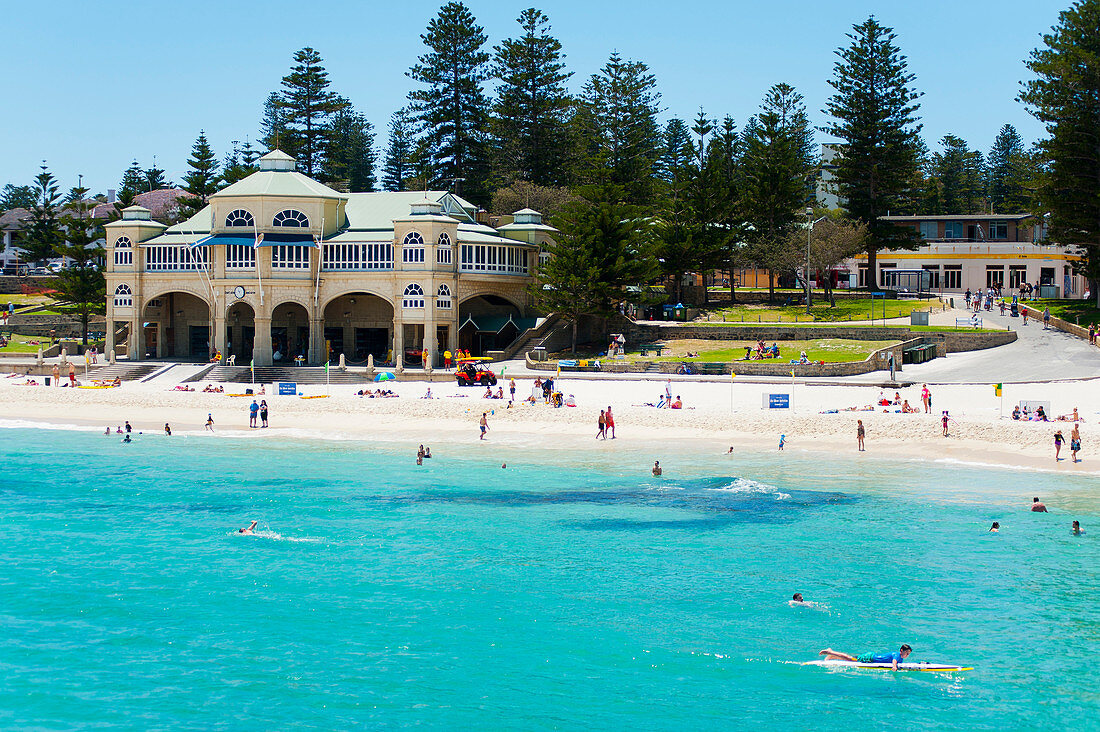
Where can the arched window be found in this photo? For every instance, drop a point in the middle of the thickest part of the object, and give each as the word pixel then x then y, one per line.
pixel 414 297
pixel 240 217
pixel 124 252
pixel 412 248
pixel 123 297
pixel 443 298
pixel 291 219
pixel 443 251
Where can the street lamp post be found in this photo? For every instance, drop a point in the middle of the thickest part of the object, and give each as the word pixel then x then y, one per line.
pixel 809 230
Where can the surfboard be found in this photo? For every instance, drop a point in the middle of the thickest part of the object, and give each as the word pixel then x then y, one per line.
pixel 316 396
pixel 941 667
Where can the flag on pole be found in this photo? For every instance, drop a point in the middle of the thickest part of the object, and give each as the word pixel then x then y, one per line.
pixel 259 240
pixel 997 389
pixel 792 374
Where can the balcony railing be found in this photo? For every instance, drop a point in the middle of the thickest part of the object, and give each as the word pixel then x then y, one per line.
pixel 356 257
pixel 494 258
pixel 176 258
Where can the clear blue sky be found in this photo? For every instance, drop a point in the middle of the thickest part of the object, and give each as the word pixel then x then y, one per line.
pixel 89 87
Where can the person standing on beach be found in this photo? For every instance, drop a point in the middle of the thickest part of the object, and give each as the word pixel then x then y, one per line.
pixel 253 411
pixel 56 375
pixel 484 424
pixel 210 422
pixel 610 424
pixel 668 391
pixel 1046 318
pixel 601 426
pixel 263 413
pixel 1075 441
pixel 1037 506
pixel 926 399
pixel 512 388
pixel 129 429
pixel 72 374
pixel 945 419
pixel 167 430
pixel 860 434
pixel 1058 440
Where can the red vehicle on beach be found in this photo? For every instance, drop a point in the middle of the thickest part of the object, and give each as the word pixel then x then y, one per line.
pixel 470 372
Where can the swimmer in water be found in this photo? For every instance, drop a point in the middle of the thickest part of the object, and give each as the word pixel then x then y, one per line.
pixel 127 438
pixel 995 527
pixel 250 530
pixel 1077 528
pixel 796 600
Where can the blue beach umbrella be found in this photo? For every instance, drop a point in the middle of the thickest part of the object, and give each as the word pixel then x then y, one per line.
pixel 385 376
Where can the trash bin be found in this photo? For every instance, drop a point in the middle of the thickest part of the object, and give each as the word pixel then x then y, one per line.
pixel 48 380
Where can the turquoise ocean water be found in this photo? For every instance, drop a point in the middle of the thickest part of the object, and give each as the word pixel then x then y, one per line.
pixel 570 591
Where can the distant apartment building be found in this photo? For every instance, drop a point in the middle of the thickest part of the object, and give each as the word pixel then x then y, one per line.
pixel 975 251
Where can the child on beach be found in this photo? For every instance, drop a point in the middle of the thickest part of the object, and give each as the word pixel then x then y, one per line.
pixel 782 441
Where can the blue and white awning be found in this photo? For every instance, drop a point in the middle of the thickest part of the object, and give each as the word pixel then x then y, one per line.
pixel 269 240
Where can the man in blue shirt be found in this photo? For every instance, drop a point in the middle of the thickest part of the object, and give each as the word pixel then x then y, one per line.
pixel 253 410
pixel 891 657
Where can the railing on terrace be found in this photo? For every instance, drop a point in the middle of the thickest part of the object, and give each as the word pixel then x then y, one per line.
pixel 494 258
pixel 358 256
pixel 176 258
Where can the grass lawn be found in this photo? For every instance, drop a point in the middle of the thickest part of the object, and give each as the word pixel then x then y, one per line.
pixel 829 350
pixel 1071 311
pixel 21 301
pixel 820 312
pixel 25 344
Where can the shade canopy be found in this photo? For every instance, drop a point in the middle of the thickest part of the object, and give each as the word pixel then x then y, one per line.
pixel 269 240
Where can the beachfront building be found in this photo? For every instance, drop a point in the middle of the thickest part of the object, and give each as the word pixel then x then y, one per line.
pixel 976 251
pixel 282 269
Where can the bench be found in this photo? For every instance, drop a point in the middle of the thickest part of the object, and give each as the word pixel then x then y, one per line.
pixel 645 348
pixel 967 323
pixel 710 368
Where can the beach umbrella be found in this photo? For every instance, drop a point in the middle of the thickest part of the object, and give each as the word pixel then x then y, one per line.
pixel 385 376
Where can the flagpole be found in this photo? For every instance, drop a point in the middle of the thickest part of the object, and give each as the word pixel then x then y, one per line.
pixel 256 247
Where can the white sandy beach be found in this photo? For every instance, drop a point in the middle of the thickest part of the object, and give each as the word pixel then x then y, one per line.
pixel 716 416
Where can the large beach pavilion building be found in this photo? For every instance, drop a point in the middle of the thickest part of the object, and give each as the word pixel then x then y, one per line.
pixel 280 268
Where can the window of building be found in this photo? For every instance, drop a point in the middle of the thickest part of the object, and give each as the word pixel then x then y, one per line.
pixel 994 275
pixel 414 297
pixel 412 248
pixel 154 303
pixel 291 218
pixel 124 252
pixel 443 298
pixel 240 217
pixel 954 230
pixel 998 230
pixel 933 271
pixel 444 252
pixel 240 256
pixel 929 230
pixel 863 270
pixel 289 256
pixel 881 270
pixel 952 276
pixel 1017 275
pixel 123 297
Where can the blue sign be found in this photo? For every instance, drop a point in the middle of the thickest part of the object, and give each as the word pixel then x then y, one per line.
pixel 288 388
pixel 779 401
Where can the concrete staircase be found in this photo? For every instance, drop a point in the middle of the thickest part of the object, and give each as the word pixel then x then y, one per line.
pixel 124 371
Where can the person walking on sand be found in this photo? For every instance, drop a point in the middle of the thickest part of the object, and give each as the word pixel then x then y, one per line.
pixel 1075 442
pixel 263 413
pixel 512 389
pixel 72 374
pixel 167 430
pixel 1046 318
pixel 1038 506
pixel 253 412
pixel 602 426
pixel 860 434
pixel 210 422
pixel 484 424
pixel 610 424
pixel 1058 440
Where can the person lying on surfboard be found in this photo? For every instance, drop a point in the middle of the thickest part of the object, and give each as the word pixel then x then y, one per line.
pixel 891 657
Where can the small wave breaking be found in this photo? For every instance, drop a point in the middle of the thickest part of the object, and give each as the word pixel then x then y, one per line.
pixel 748 486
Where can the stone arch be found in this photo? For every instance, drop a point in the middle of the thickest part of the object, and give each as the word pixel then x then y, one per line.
pixel 290 324
pixel 358 324
pixel 240 331
pixel 176 324
pixel 512 300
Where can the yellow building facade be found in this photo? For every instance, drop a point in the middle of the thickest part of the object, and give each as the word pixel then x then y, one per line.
pixel 281 269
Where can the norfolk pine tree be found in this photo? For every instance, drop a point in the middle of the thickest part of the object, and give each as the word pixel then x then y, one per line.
pixel 1065 96
pixel 81 288
pixel 777 167
pixel 531 111
pixel 452 108
pixel 133 183
pixel 349 151
pixel 201 181
pixel 874 110
pixel 1009 173
pixel 305 110
pixel 43 228
pixel 14 196
pixel 400 148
